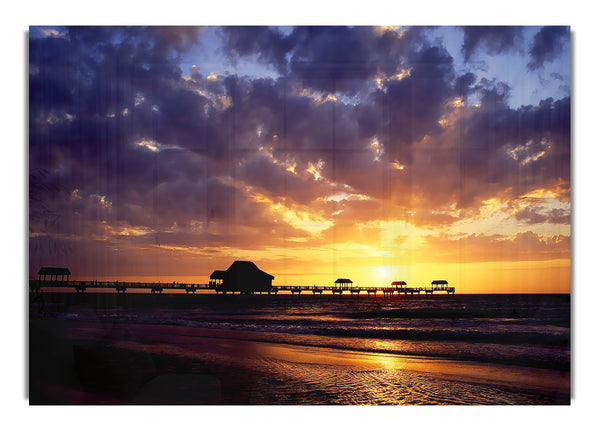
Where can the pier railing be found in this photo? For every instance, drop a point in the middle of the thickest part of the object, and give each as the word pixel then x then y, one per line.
pixel 191 288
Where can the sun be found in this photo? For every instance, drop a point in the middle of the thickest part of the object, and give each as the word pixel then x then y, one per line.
pixel 382 272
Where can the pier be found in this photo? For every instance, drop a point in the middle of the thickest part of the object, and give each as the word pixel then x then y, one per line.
pixel 192 288
pixel 241 278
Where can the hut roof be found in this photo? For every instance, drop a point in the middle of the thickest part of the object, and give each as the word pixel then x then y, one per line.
pixel 399 283
pixel 239 267
pixel 46 270
pixel 343 280
pixel 217 275
pixel 439 282
pixel 245 266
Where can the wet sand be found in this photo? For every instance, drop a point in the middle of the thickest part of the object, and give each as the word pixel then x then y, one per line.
pixel 84 362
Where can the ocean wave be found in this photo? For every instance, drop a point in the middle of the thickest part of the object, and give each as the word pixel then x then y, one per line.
pixel 518 335
pixel 462 313
pixel 488 331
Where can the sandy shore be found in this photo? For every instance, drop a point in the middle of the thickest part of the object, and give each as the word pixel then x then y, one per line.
pixel 80 362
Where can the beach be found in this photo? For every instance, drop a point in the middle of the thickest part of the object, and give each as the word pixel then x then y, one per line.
pixel 77 359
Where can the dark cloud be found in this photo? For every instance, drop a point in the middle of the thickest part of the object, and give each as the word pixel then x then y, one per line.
pixel 276 181
pixel 178 38
pixel 463 84
pixel 334 59
pixel 411 107
pixel 556 215
pixel 492 94
pixel 547 44
pixel 520 148
pixel 328 59
pixel 268 44
pixel 493 39
pixel 158 39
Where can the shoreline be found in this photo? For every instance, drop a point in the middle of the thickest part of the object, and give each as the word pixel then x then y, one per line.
pixel 225 364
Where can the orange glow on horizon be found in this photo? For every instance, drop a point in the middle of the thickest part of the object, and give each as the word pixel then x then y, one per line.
pixel 474 278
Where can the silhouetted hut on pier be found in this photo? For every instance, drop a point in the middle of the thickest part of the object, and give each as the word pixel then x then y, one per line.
pixel 439 283
pixel 343 283
pixel 242 276
pixel 399 284
pixel 216 279
pixel 53 273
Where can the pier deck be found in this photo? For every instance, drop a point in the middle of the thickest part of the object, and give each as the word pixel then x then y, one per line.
pixel 192 288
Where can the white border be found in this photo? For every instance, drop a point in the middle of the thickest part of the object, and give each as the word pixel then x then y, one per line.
pixel 582 19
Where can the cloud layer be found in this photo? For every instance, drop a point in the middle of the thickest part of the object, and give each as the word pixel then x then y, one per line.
pixel 361 125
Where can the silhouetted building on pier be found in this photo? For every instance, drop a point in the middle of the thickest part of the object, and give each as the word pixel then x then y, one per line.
pixel 241 276
pixel 53 273
pixel 343 283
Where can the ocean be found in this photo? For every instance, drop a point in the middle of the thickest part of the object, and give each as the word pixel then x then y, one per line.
pixel 435 349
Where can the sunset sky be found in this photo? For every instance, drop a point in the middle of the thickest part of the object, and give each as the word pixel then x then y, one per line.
pixel 370 153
